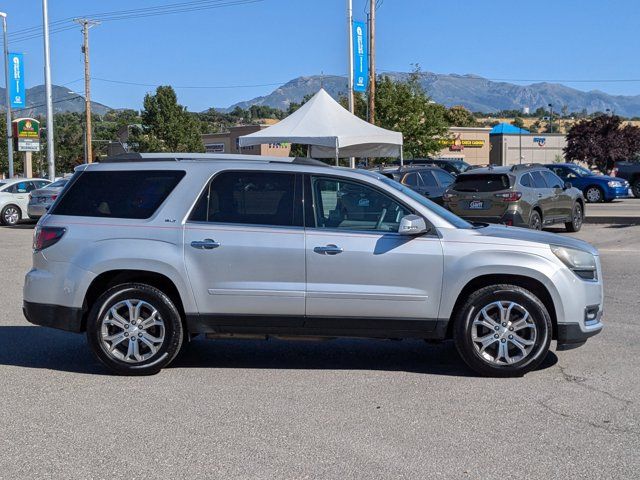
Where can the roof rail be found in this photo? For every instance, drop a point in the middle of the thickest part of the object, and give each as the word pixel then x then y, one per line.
pixel 526 166
pixel 181 156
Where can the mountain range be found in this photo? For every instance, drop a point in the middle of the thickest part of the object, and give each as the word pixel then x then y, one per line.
pixel 476 93
pixel 64 100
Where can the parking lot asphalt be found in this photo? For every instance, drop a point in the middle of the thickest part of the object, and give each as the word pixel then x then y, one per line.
pixel 623 211
pixel 338 409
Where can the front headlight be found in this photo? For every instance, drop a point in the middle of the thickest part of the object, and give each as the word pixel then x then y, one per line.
pixel 614 184
pixel 582 263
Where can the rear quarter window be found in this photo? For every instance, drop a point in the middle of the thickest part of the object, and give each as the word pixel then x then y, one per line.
pixel 481 182
pixel 120 194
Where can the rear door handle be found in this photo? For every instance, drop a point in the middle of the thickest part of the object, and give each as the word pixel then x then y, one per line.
pixel 540 195
pixel 206 244
pixel 328 250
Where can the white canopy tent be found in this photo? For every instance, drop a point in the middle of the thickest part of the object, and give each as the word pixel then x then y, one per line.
pixel 331 131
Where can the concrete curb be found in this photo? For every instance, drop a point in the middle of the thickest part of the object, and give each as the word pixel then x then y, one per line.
pixel 616 220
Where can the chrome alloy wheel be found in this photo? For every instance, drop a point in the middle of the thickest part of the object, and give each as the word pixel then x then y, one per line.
pixel 594 195
pixel 132 331
pixel 503 333
pixel 11 215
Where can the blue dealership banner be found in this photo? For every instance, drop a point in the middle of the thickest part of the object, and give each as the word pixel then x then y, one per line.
pixel 16 81
pixel 360 59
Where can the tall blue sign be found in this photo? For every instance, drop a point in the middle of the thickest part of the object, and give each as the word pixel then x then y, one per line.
pixel 360 58
pixel 16 81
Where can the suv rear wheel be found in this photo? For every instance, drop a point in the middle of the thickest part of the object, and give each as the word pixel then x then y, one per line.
pixel 135 329
pixel 502 331
pixel 577 217
pixel 635 188
pixel 535 221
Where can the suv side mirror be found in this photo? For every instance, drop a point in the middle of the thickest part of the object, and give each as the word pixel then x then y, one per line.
pixel 412 225
pixel 567 186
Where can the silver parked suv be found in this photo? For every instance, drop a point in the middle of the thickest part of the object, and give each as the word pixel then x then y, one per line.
pixel 145 251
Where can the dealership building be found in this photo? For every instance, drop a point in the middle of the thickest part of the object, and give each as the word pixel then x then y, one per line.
pixel 510 146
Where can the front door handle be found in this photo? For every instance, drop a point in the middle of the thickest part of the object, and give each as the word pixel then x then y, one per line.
pixel 206 244
pixel 540 195
pixel 328 250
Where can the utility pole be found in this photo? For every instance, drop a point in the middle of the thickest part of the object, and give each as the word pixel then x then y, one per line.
pixel 48 95
pixel 372 61
pixel 86 25
pixel 350 50
pixel 6 84
pixel 550 118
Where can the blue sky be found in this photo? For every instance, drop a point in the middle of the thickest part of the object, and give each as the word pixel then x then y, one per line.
pixel 272 41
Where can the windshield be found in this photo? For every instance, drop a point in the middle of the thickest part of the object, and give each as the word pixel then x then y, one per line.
pixel 434 207
pixel 2 184
pixel 582 171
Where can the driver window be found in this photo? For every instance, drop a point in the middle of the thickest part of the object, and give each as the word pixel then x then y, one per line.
pixel 348 205
pixel 552 180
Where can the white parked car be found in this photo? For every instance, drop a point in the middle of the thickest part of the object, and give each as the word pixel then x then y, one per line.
pixel 14 198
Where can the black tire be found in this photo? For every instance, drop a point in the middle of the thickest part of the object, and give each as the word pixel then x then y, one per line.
pixel 172 330
pixel 635 188
pixel 577 218
pixel 10 215
pixel 535 220
pixel 464 330
pixel 593 194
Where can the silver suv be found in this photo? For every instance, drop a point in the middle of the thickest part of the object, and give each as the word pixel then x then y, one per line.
pixel 143 252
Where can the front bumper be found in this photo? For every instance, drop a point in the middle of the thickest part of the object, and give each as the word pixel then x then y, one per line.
pixel 617 192
pixel 54 316
pixel 571 335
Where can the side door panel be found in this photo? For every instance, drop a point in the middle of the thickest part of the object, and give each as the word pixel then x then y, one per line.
pixel 244 249
pixel 374 274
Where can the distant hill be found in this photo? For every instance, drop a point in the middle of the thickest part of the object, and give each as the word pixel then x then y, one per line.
pixel 63 101
pixel 475 93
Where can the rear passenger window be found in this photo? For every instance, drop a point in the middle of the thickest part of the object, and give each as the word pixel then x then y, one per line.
pixel 411 179
pixel 121 194
pixel 444 178
pixel 538 181
pixel 428 179
pixel 256 198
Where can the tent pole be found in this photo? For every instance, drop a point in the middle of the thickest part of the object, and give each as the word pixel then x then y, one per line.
pixel 308 151
pixel 337 155
pixel 401 157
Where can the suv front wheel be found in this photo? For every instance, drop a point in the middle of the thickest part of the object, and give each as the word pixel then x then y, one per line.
pixel 502 331
pixel 135 329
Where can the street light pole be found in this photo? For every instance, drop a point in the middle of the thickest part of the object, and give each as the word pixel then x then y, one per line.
pixel 6 84
pixel 47 84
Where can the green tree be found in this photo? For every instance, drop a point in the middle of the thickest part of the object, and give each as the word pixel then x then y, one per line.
pixel 405 107
pixel 602 141
pixel 166 125
pixel 458 116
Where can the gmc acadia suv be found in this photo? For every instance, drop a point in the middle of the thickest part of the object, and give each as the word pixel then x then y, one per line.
pixel 143 252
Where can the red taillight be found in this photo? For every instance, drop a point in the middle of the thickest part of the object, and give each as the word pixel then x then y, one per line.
pixel 53 197
pixel 509 196
pixel 44 237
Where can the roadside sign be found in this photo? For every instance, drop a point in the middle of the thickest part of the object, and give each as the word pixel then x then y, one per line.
pixel 17 93
pixel 360 59
pixel 26 132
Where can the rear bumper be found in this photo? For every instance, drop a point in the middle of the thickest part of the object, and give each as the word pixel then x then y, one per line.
pixel 54 316
pixel 513 219
pixel 36 210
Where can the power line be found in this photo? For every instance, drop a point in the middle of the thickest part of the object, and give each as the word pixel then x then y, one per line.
pixel 31 107
pixel 203 87
pixel 182 7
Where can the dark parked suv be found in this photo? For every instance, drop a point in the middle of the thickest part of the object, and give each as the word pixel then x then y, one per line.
pixel 629 171
pixel 427 180
pixel 522 195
